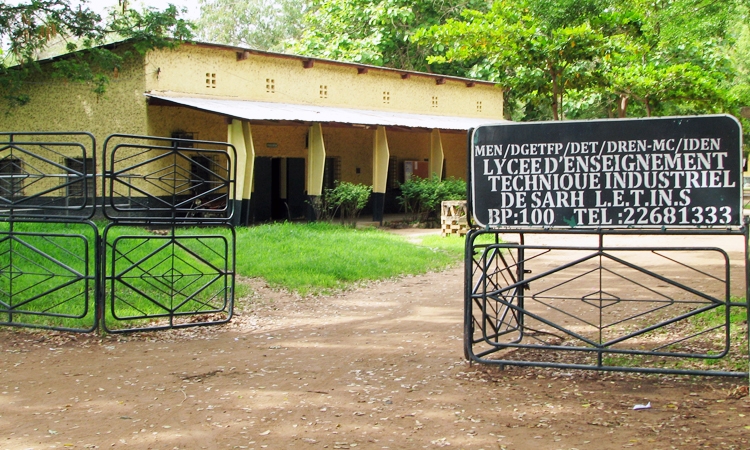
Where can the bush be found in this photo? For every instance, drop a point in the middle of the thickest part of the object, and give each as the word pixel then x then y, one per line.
pixel 421 197
pixel 347 199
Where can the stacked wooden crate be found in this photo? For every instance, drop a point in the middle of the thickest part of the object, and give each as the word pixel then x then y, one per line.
pixel 453 218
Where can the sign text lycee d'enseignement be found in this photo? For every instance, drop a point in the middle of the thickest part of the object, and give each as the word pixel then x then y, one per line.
pixel 683 171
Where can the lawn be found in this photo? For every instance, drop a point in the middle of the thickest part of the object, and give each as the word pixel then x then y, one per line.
pixel 317 258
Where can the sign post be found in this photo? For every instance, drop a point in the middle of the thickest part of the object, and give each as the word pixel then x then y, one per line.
pixel 664 172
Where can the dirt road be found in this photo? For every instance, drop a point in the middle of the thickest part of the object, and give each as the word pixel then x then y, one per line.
pixel 377 367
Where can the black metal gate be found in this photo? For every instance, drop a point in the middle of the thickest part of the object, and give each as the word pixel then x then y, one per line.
pixel 154 263
pixel 605 304
pixel 48 280
pixel 161 268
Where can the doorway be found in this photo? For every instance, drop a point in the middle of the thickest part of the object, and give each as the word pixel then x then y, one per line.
pixel 279 192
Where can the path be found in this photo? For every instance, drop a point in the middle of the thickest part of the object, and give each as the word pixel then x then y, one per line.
pixel 377 367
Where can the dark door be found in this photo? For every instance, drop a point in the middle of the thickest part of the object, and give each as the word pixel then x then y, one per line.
pixel 295 189
pixel 262 197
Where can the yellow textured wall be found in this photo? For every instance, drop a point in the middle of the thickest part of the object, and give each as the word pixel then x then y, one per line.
pixel 195 70
pixel 59 105
pixel 62 106
pixel 454 149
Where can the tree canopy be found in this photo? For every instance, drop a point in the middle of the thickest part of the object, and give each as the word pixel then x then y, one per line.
pixel 605 54
pixel 262 24
pixel 375 32
pixel 29 28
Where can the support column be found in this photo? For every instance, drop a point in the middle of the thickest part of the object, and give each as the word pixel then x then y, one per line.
pixel 240 135
pixel 380 156
pixel 316 163
pixel 436 154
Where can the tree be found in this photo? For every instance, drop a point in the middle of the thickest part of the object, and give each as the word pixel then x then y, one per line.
pixel 607 56
pixel 32 26
pixel 376 32
pixel 262 24
pixel 673 59
pixel 532 58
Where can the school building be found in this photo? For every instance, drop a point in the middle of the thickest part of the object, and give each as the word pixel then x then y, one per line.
pixel 298 124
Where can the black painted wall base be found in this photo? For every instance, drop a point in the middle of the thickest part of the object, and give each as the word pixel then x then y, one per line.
pixel 378 205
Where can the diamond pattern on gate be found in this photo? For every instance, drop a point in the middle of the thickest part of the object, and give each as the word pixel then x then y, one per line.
pixel 170 179
pixel 39 282
pixel 36 180
pixel 167 182
pixel 174 278
pixel 599 312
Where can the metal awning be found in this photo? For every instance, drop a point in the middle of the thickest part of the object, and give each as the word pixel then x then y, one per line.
pixel 250 110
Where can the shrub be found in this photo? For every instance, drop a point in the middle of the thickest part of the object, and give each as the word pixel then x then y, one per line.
pixel 347 199
pixel 421 197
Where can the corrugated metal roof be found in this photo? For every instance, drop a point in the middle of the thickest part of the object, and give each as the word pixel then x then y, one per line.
pixel 250 110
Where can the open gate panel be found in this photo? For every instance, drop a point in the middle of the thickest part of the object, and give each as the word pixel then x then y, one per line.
pixel 605 302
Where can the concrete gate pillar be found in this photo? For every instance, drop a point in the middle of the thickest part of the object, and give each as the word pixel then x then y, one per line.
pixel 316 163
pixel 240 136
pixel 380 156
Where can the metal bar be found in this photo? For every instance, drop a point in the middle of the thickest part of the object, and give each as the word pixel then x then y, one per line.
pixel 501 297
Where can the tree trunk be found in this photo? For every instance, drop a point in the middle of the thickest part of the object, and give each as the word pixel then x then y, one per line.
pixel 555 115
pixel 648 107
pixel 562 101
pixel 622 106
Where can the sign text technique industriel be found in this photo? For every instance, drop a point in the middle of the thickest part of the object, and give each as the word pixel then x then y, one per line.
pixel 674 172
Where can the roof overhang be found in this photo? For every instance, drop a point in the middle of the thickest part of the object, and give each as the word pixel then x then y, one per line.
pixel 289 112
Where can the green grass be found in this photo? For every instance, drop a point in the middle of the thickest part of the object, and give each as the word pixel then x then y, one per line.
pixel 717 316
pixel 57 288
pixel 319 257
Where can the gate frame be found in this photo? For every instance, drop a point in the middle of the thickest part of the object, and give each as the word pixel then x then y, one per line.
pixel 52 213
pixel 95 275
pixel 469 297
pixel 178 217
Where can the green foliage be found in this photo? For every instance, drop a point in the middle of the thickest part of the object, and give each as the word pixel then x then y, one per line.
pixel 421 197
pixel 600 58
pixel 262 24
pixel 528 56
pixel 375 32
pixel 346 199
pixel 31 28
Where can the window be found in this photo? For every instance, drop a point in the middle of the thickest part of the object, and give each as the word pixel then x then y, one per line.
pixel 386 97
pixel 79 185
pixel 11 177
pixel 434 101
pixel 211 80
pixel 331 172
pixel 201 174
pixel 323 91
pixel 178 135
pixel 479 106
pixel 270 86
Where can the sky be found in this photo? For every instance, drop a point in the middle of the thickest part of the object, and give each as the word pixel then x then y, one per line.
pixel 193 6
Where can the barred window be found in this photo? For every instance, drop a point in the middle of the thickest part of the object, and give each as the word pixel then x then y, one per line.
pixel 11 177
pixel 79 185
pixel 331 172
